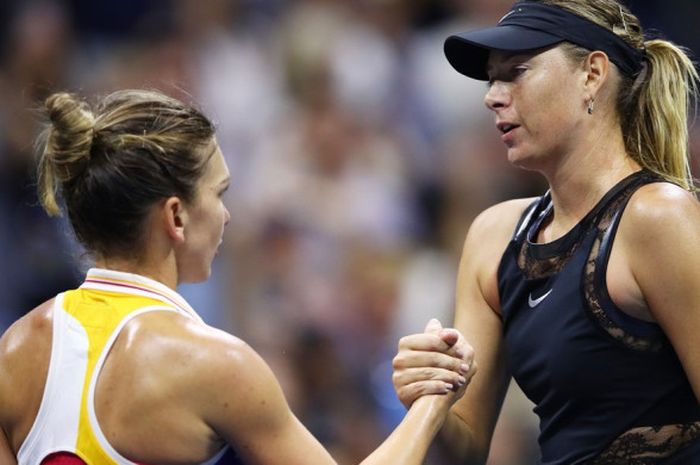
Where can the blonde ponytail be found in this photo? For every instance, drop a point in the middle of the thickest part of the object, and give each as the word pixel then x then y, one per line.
pixel 654 105
pixel 657 129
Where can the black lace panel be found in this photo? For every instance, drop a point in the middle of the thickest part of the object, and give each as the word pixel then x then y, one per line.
pixel 534 268
pixel 648 445
pixel 592 291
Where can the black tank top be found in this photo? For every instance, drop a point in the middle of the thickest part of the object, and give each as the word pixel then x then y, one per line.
pixel 608 387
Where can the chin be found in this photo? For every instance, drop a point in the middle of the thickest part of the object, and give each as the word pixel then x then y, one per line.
pixel 520 162
pixel 523 160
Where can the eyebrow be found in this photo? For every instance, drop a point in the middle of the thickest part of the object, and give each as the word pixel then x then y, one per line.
pixel 514 56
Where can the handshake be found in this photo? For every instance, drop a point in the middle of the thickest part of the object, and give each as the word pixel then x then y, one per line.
pixel 438 361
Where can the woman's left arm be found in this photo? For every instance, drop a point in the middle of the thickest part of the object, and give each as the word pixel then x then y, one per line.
pixel 662 233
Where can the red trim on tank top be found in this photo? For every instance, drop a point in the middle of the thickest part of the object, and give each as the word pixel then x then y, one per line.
pixel 64 458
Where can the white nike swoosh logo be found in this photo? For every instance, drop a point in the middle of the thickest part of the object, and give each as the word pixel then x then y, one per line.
pixel 505 16
pixel 517 10
pixel 535 302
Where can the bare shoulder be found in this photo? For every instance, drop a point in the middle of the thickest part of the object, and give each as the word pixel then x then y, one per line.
pixel 487 239
pixel 661 211
pixel 660 230
pixel 22 334
pixel 192 381
pixel 501 218
pixel 25 350
pixel 25 342
pixel 224 392
pixel 192 351
pixel 492 229
pixel 204 364
pixel 659 234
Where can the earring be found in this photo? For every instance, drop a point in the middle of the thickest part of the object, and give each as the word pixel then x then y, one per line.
pixel 590 106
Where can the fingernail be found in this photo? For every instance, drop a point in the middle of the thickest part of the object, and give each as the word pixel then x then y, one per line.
pixel 448 387
pixel 462 380
pixel 464 368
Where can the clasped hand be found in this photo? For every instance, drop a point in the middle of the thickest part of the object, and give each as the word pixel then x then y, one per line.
pixel 437 361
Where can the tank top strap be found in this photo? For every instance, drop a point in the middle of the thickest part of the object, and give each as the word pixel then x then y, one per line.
pixel 631 332
pixel 614 202
pixel 532 212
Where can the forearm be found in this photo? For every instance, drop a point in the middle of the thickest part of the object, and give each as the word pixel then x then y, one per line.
pixel 457 438
pixel 409 442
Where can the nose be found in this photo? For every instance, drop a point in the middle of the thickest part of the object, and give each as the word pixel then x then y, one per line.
pixel 497 96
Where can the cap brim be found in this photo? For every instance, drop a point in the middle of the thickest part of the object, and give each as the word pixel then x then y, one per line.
pixel 468 53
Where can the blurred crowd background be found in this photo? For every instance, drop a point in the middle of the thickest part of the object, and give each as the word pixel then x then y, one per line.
pixel 358 156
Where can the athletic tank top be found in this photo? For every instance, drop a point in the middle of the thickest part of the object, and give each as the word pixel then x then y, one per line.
pixel 608 388
pixel 86 322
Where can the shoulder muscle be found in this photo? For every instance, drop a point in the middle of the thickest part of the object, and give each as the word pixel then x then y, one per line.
pixel 660 231
pixel 25 350
pixel 486 241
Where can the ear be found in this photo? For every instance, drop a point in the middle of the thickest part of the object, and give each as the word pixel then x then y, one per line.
pixel 174 216
pixel 597 67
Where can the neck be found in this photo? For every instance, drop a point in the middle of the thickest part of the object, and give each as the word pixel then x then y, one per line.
pixel 158 272
pixel 583 176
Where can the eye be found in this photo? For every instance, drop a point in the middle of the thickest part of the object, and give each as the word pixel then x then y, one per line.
pixel 508 75
pixel 518 70
pixel 223 190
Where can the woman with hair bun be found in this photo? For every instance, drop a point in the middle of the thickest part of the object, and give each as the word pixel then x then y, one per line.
pixel 122 370
pixel 589 295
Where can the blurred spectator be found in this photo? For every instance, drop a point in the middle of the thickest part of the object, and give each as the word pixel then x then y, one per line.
pixel 358 160
pixel 35 264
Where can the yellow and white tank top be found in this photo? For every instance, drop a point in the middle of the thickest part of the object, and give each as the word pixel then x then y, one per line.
pixel 86 322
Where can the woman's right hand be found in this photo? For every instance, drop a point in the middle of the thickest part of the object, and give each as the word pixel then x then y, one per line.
pixel 437 361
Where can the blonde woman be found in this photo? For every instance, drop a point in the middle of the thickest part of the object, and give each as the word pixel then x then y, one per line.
pixel 587 296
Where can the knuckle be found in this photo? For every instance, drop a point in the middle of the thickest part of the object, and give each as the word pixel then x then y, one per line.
pixel 447 363
pixel 468 352
pixel 436 344
pixel 411 394
pixel 421 389
pixel 399 380
pixel 395 379
pixel 403 396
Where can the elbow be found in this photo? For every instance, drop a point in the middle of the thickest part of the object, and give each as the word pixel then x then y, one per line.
pixel 461 445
